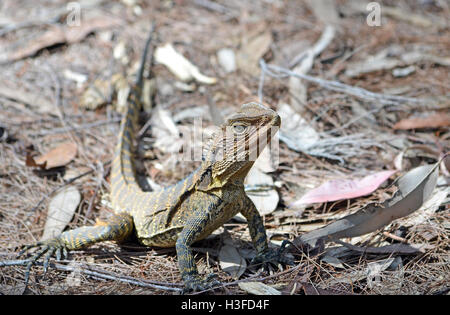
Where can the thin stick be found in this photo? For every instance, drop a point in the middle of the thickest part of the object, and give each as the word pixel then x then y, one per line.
pixel 340 87
pixel 395 237
pixel 82 127
pixel 94 274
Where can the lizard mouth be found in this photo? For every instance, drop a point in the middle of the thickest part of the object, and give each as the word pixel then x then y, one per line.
pixel 276 120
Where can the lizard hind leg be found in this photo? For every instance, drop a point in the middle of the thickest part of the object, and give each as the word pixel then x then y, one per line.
pixel 118 228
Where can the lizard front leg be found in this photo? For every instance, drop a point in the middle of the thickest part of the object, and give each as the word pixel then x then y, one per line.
pixel 258 234
pixel 193 228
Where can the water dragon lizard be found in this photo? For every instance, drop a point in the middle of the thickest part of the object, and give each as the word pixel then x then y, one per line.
pixel 187 211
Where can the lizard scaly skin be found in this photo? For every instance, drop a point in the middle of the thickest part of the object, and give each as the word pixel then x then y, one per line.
pixel 189 210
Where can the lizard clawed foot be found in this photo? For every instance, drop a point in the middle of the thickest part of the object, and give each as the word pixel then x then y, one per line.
pixel 47 249
pixel 196 283
pixel 273 257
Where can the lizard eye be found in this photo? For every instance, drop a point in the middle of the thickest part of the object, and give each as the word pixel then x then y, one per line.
pixel 239 128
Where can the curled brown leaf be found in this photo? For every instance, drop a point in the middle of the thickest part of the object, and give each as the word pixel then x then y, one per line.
pixel 59 156
pixel 431 121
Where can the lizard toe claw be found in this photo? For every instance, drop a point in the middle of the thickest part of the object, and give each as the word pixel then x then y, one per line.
pixel 194 284
pixel 273 257
pixel 45 249
pixel 212 281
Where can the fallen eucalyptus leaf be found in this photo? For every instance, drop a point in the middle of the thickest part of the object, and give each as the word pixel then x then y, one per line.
pixel 295 129
pixel 182 68
pixel 231 261
pixel 258 288
pixel 60 211
pixel 266 162
pixel 428 208
pixel 435 120
pixel 59 156
pixel 344 189
pixel 413 189
pixel 260 189
pixel 398 248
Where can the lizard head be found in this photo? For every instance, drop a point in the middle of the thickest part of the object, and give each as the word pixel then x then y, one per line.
pixel 240 141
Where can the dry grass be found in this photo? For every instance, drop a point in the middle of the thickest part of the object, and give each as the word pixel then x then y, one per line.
pixel 198 33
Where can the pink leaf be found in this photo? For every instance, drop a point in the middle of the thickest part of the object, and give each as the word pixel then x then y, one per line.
pixel 344 189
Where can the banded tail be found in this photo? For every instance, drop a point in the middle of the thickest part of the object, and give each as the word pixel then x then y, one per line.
pixel 123 181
